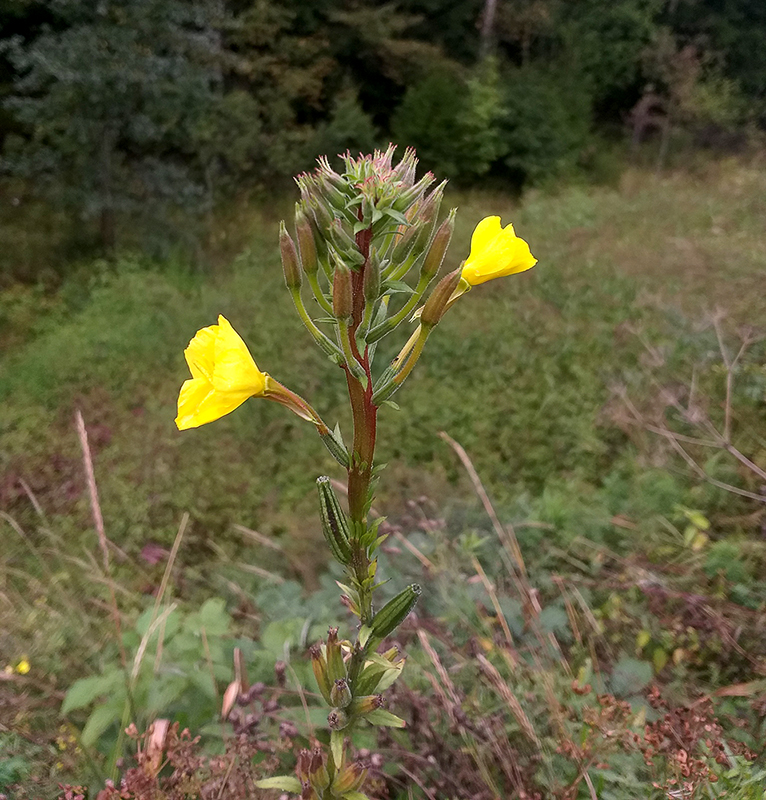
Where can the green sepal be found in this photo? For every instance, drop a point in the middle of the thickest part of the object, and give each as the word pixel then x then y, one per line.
pixel 287 783
pixel 397 287
pixel 378 542
pixel 385 719
pixel 336 747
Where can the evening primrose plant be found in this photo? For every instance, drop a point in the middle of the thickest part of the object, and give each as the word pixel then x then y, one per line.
pixel 364 262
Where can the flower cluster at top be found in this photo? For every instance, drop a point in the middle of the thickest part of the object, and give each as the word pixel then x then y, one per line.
pixel 367 253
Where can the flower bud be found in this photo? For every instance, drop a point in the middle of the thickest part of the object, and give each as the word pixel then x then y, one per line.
pixel 337 719
pixel 322 216
pixel 319 665
pixel 429 209
pixel 290 263
pixel 342 292
pixel 405 243
pixel 436 304
pixel 343 242
pixel 438 249
pixel 350 778
pixel 306 242
pixel 340 693
pixel 394 612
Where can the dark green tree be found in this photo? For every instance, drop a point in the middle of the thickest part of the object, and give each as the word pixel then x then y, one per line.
pixel 111 96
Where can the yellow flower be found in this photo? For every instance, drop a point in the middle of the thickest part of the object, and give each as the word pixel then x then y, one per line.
pixel 224 375
pixel 23 667
pixel 495 252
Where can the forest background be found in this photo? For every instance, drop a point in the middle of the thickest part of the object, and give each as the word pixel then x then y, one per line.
pixel 612 399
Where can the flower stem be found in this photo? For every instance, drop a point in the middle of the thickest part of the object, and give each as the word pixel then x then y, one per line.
pixel 331 349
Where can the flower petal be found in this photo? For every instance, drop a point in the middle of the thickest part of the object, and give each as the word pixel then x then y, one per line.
pixel 200 353
pixel 495 253
pixel 199 403
pixel 235 370
pixel 483 235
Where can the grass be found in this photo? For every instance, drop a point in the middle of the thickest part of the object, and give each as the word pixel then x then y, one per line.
pixel 522 373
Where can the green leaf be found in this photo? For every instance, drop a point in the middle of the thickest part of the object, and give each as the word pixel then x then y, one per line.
pixel 396 215
pixel 364 634
pixel 630 676
pixel 287 783
pixel 391 404
pixel 214 618
pixel 84 691
pixel 385 719
pixel 336 746
pixel 101 718
pixel 355 796
pixel 397 287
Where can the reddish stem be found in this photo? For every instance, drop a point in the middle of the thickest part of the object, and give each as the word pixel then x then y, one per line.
pixel 363 411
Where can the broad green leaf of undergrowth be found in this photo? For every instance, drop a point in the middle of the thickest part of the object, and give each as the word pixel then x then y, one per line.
pixel 84 691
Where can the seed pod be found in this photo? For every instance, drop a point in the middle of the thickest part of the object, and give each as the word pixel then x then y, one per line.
pixel 340 693
pixel 350 778
pixel 336 669
pixel 436 304
pixel 334 523
pixel 394 612
pixel 319 665
pixel 366 704
pixel 303 765
pixel 290 263
pixel 438 249
pixel 318 774
pixel 337 719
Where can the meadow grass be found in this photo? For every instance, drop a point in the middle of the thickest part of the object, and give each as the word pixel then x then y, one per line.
pixel 521 373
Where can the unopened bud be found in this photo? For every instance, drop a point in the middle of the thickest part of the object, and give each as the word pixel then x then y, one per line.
pixel 436 304
pixel 306 242
pixel 322 216
pixel 438 249
pixel 405 243
pixel 290 263
pixel 340 693
pixel 337 719
pixel 429 209
pixel 341 238
pixel 342 292
pixel 319 665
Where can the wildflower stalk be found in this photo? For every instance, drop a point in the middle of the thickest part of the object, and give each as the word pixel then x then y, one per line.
pixel 365 229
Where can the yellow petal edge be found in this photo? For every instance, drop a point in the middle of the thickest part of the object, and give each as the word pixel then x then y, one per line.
pixel 495 253
pixel 224 375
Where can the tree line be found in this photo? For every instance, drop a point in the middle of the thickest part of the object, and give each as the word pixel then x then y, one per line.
pixel 154 108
